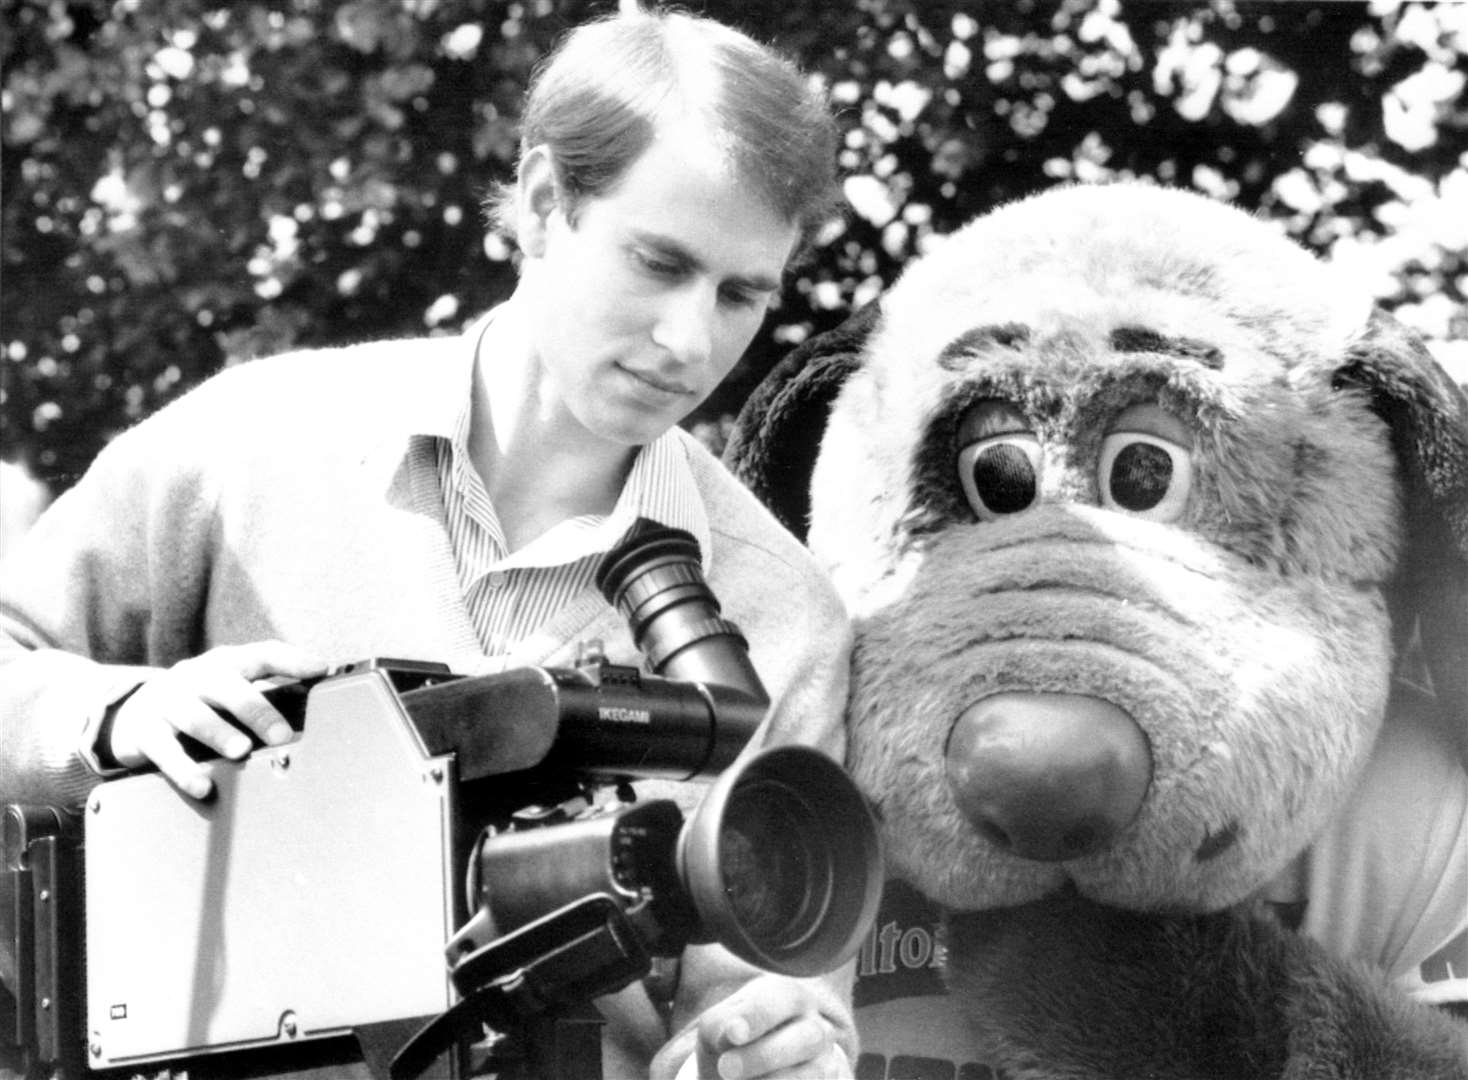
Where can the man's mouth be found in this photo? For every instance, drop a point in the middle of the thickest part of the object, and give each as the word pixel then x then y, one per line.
pixel 653 379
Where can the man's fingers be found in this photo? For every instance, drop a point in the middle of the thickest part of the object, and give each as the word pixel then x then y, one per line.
pixel 189 698
pixel 163 709
pixel 771 1027
pixel 756 1009
pixel 222 678
pixel 214 714
pixel 159 744
pixel 788 1050
pixel 229 693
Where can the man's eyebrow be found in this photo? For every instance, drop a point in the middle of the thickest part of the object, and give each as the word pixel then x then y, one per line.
pixel 1142 339
pixel 676 252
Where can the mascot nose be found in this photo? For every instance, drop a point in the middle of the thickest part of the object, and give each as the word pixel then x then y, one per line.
pixel 1048 777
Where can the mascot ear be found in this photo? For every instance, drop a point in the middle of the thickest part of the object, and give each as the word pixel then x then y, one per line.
pixel 1428 416
pixel 777 435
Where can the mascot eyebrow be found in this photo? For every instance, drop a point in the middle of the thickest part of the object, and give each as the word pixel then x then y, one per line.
pixel 1143 340
pixel 960 350
pixel 1128 339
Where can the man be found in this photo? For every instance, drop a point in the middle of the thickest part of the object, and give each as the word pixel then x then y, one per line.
pixel 450 498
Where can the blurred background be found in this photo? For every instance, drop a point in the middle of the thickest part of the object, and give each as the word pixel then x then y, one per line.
pixel 189 184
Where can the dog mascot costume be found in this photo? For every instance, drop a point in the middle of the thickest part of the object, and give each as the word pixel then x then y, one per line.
pixel 1155 539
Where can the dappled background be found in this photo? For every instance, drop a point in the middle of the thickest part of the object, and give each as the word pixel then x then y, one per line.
pixel 189 184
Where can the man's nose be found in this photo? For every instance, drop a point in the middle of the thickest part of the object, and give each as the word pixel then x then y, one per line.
pixel 685 324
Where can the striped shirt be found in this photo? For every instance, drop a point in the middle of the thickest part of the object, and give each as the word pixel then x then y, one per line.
pixel 512 595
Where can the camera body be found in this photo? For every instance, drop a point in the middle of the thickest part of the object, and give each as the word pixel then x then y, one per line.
pixel 310 897
pixel 431 842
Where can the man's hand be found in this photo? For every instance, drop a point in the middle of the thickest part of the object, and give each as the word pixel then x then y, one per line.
pixel 183 700
pixel 772 1028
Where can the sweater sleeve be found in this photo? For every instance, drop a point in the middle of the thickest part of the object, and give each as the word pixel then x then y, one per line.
pixel 105 588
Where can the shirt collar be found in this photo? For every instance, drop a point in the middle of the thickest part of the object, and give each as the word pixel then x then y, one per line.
pixel 426 398
pixel 444 409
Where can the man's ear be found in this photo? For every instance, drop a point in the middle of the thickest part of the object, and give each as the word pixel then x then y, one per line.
pixel 537 198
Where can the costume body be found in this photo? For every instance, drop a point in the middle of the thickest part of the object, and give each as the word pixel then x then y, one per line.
pixel 298 498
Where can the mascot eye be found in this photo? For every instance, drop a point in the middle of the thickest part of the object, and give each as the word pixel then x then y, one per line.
pixel 1145 475
pixel 1000 475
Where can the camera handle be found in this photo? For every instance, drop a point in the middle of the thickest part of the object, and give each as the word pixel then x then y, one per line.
pixel 42 863
pixel 535 986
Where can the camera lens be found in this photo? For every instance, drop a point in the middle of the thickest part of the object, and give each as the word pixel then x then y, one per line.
pixel 777 891
pixel 782 862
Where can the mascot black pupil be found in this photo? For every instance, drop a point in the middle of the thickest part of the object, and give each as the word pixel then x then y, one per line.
pixel 1140 476
pixel 1004 479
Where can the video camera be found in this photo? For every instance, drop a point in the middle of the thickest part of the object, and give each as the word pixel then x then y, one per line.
pixel 316 899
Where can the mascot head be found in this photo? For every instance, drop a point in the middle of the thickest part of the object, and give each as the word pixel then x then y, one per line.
pixel 1136 509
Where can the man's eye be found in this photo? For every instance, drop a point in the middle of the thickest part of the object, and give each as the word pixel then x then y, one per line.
pixel 742 297
pixel 656 265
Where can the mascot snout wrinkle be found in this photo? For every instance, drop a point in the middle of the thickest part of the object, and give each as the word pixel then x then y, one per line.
pixel 1154 535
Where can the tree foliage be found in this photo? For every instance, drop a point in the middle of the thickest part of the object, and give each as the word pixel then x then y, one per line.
pixel 189 183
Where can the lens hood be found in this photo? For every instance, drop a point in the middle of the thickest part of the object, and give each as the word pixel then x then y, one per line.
pixel 783 863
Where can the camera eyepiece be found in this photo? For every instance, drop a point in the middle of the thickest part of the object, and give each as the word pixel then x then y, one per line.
pixel 655 579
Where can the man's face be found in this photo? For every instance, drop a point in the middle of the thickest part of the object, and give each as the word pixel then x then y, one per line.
pixel 642 306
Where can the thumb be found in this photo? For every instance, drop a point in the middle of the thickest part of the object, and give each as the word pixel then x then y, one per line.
pixel 678 1058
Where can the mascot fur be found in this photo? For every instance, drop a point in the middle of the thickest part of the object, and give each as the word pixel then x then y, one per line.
pixel 1137 511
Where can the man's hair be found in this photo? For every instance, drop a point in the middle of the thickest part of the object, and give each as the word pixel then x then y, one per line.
pixel 597 99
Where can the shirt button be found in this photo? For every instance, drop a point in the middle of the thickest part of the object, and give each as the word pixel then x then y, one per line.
pixel 496 579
